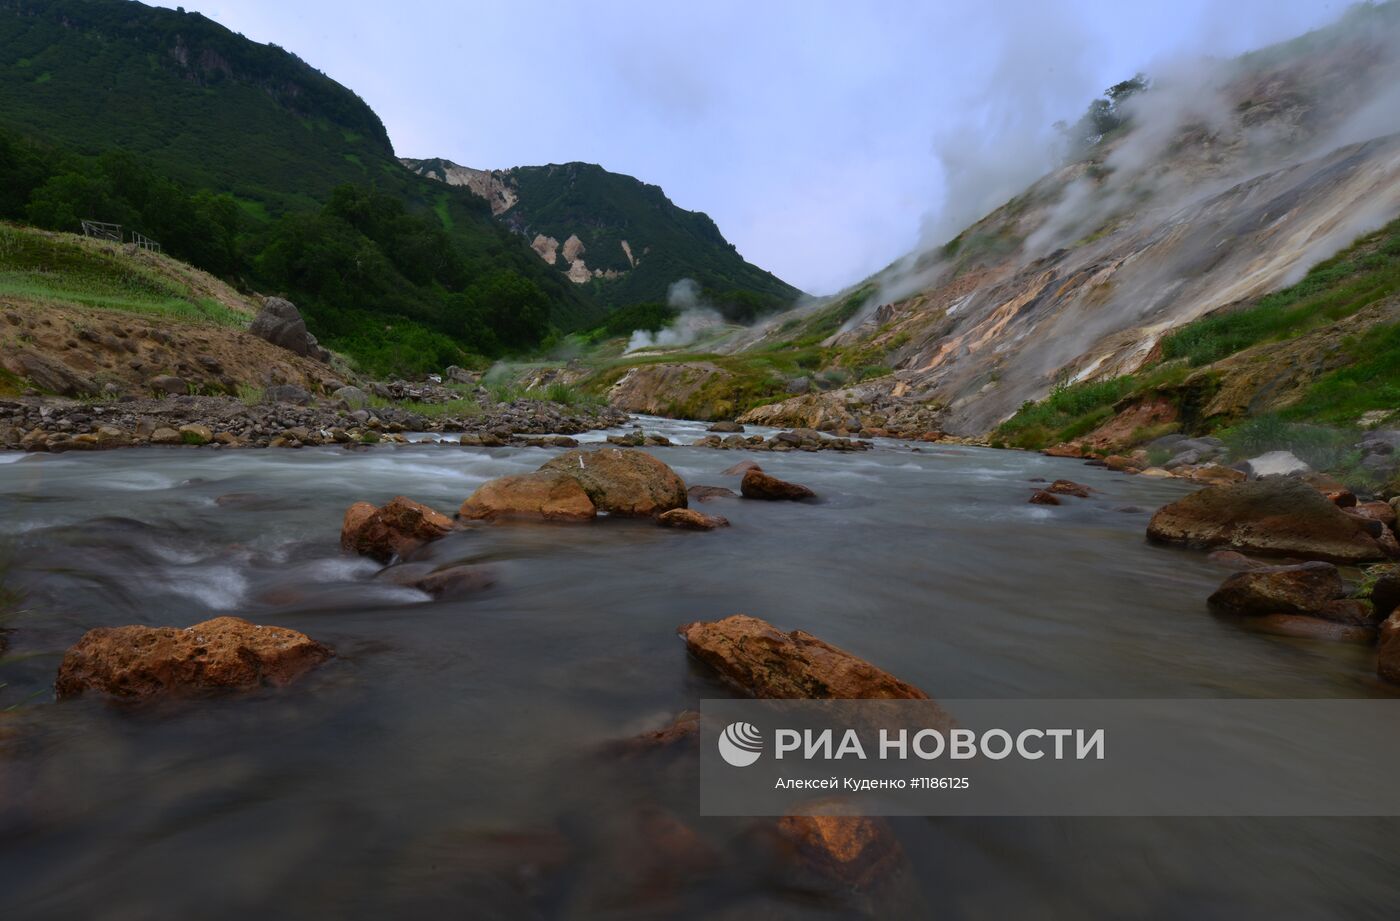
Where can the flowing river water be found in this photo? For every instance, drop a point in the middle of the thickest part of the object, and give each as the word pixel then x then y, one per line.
pixel 446 762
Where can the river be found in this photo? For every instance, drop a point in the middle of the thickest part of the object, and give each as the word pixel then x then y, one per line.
pixel 450 743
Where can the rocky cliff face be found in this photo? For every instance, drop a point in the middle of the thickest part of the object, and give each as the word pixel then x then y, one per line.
pixel 1216 193
pixel 493 185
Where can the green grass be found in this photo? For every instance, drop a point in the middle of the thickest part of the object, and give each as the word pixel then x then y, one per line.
pixel 35 266
pixel 450 409
pixel 1360 275
pixel 505 392
pixel 565 394
pixel 1372 382
pixel 1070 411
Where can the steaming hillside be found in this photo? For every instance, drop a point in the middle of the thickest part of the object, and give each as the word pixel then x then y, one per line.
pixel 1211 187
pixel 618 240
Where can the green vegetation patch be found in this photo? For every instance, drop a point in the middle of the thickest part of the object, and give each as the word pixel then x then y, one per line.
pixel 1070 411
pixel 1370 383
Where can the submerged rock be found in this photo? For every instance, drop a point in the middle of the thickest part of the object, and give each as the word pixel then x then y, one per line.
pixel 741 468
pixel 857 851
pixel 759 485
pixel 691 520
pixel 397 528
pixel 1069 488
pixel 446 583
pixel 706 493
pixel 764 662
pixel 1303 589
pixel 226 653
pixel 681 732
pixel 1278 515
pixel 622 482
pixel 1043 497
pixel 1303 627
pixel 545 495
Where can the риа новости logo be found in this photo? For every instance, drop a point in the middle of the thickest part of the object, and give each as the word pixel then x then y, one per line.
pixel 740 744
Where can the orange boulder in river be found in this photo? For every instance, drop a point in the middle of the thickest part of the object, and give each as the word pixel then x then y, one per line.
pixel 762 661
pixel 226 653
pixel 622 482
pixel 394 529
pixel 545 495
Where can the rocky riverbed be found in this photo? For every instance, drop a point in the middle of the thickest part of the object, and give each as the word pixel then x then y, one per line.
pixel 290 417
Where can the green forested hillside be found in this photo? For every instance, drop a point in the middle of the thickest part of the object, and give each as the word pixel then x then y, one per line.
pixel 667 243
pixel 248 162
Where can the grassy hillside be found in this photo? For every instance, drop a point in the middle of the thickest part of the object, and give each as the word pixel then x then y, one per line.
pixel 66 269
pixel 205 112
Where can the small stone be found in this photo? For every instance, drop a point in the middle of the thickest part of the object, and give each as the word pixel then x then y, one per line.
pixel 690 519
pixel 195 434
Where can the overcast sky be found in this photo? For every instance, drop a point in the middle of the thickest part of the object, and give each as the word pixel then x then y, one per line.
pixel 823 137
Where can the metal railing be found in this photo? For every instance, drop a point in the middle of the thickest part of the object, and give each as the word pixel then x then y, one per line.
pixel 100 230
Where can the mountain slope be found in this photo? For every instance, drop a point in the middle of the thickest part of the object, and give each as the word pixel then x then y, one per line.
pixel 620 240
pixel 207 106
pixel 1216 189
pixel 210 109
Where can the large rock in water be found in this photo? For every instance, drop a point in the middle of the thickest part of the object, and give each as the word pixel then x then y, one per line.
pixel 1303 589
pixel 762 661
pixel 397 528
pixel 545 494
pixel 1278 515
pixel 280 323
pixel 622 482
pixel 226 653
pixel 758 485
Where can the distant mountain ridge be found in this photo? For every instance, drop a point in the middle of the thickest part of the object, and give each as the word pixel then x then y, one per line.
pixel 620 240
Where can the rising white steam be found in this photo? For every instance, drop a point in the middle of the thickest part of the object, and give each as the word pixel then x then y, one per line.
pixel 696 318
